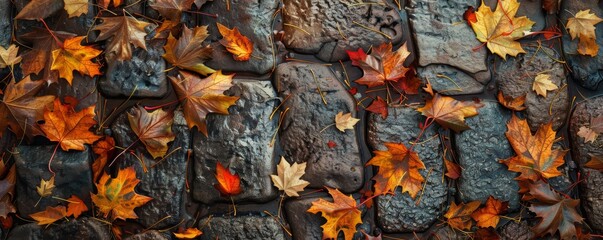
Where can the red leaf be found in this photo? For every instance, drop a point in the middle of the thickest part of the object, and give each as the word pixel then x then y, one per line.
pixel 378 106
pixel 331 144
pixel 469 16
pixel 228 184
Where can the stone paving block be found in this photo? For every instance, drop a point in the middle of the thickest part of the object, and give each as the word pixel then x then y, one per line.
pixel 241 228
pixel 82 88
pixel 148 235
pixel 82 228
pixel 5 23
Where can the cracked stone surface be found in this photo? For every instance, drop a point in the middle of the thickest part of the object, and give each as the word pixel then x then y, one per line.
pixel 83 228
pixel 5 23
pixel 241 228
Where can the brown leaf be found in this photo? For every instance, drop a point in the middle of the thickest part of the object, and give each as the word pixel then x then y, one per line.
pixel 171 9
pixel 398 166
pixel 596 162
pixel 189 52
pixel 121 31
pixel 378 106
pixel 459 216
pixel 153 129
pixel 450 113
pixel 551 6
pixel 37 9
pixel 39 58
pixel 556 212
pixel 69 128
pixel 342 215
pixel 381 65
pixel 50 215
pixel 516 104
pixel 104 149
pixel 453 170
pixel 236 43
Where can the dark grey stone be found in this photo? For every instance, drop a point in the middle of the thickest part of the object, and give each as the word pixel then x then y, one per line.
pixel 515 78
pixel 82 228
pixel 241 141
pixel 399 212
pixel 591 191
pixel 447 233
pixel 586 70
pixel 532 9
pixel 254 19
pixel 165 182
pixel 145 72
pixel 479 149
pixel 5 23
pixel 241 228
pixel 516 231
pixel 448 80
pixel 82 88
pixel 331 27
pixel 148 235
pixel 304 225
pixel 300 132
pixel 73 176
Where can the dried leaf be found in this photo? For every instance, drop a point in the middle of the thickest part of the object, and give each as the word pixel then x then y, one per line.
pixel 381 65
pixel 551 6
pixel 453 170
pixel 122 31
pixel 76 8
pixel 116 196
pixel 236 43
pixel 189 233
pixel 588 134
pixel 75 57
pixel 345 121
pixel 516 104
pixel 105 3
pixel 50 215
pixel 228 184
pixel 39 58
pixel 171 9
pixel 485 234
pixel 378 106
pixel 542 84
pixel 69 128
pixel 489 215
pixel 153 129
pixel 76 206
pixel 469 16
pixel 595 162
pixel 7 191
pixel 104 149
pixel 596 124
pixel 582 26
pixel 398 166
pixel 8 57
pixel 557 212
pixel 342 215
pixel 289 177
pixel 188 51
pixel 459 216
pixel 450 113
pixel 46 187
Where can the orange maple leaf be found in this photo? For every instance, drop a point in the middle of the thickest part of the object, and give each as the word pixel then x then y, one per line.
pixel 381 65
pixel 459 216
pixel 535 157
pixel 236 43
pixel 398 166
pixel 69 128
pixel 189 233
pixel 453 170
pixel 228 184
pixel 342 215
pixel 72 56
pixel 153 129
pixel 104 149
pixel 116 196
pixel 50 215
pixel 489 215
pixel 76 206
pixel 450 113
pixel 516 104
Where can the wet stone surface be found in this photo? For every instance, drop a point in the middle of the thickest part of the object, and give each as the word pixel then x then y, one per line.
pixel 515 231
pixel 241 141
pixel 5 23
pixel 241 227
pixel 83 228
pixel 399 213
pixel 148 235
pixel 300 133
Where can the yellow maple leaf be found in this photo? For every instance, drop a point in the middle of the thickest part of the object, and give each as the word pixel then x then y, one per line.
pixel 542 84
pixel 345 121
pixel 289 177
pixel 500 28
pixel 582 26
pixel 236 43
pixel 46 187
pixel 342 215
pixel 76 7
pixel 73 56
pixel 116 196
pixel 8 57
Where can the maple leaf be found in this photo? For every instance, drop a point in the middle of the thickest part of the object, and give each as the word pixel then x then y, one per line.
pixel 75 57
pixel 76 206
pixel 542 84
pixel 122 30
pixel 46 187
pixel 595 162
pixel 489 215
pixel 381 65
pixel 342 215
pixel 596 124
pixel 235 42
pixel 7 190
pixel 153 129
pixel 8 57
pixel 378 106
pixel 171 9
pixel 50 215
pixel 557 212
pixel 116 196
pixel 188 51
pixel 535 157
pixel 398 166
pixel 453 170
pixel 37 9
pixel 582 26
pixel 450 113
pixel 485 234
pixel 469 16
pixel 202 96
pixel 228 184
pixel 105 3
pixel 189 233
pixel 500 29
pixel 76 8
pixel 69 128
pixel 459 216
pixel 21 109
pixel 104 149
pixel 516 104
pixel 288 178
pixel 345 121
pixel 588 134
pixel 40 56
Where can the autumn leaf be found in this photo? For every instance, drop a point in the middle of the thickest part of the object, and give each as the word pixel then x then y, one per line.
pixel 342 215
pixel 588 134
pixel 345 121
pixel 288 178
pixel 378 106
pixel 450 113
pixel 153 129
pixel 7 190
pixel 105 3
pixel 8 57
pixel 398 166
pixel 21 108
pixel 39 57
pixel 542 84
pixel 596 124
pixel 171 9
pixel 76 206
pixel 516 104
pixel 104 148
pixel 116 196
pixel 228 184
pixel 582 26
pixel 485 234
pixel 489 215
pixel 381 65
pixel 595 162
pixel 557 213
pixel 202 96
pixel 75 57
pixel 500 29
pixel 122 31
pixel 76 8
pixel 45 188
pixel 535 157
pixel 469 16
pixel 189 52
pixel 459 216
pixel 551 6
pixel 189 233
pixel 69 128
pixel 236 43
pixel 37 9
pixel 453 170
pixel 50 215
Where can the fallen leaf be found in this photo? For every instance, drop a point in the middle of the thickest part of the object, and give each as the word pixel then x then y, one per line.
pixel 117 232
pixel 236 43
pixel 557 213
pixel 450 113
pixel 378 106
pixel 116 196
pixel 202 96
pixel 515 104
pixel 171 9
pixel 542 84
pixel 485 234
pixel 582 26
pixel 331 144
pixel 228 184
pixel 595 162
pixel 69 128
pixel 7 190
pixel 76 8
pixel 21 108
pixel 398 166
pixel 105 3
pixel 50 215
pixel 8 57
pixel 39 58
pixel 551 6
pixel 411 83
pixel 46 187
pixel 596 124
pixel 453 170
pixel 189 233
pixel 489 215
pixel 37 9
pixel 469 16
pixel 588 134
pixel 342 215
pixel 345 121
pixel 459 216
pixel 122 31
pixel 189 52
pixel 500 29
pixel 76 206
pixel 428 88
pixel 153 129
pixel 535 157
pixel 104 148
pixel 75 57
pixel 381 65
pixel 288 178
pixel 369 237
pixel 367 197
